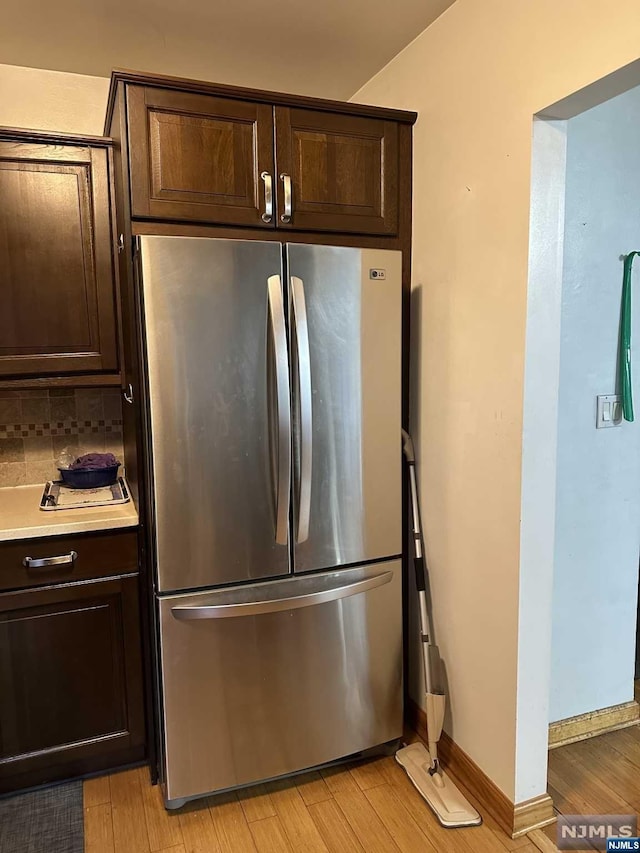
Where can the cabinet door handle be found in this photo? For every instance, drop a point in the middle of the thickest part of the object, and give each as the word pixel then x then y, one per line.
pixel 128 393
pixel 288 199
pixel 267 216
pixel 50 562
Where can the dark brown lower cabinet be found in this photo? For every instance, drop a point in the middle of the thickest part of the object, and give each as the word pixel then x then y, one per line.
pixel 71 699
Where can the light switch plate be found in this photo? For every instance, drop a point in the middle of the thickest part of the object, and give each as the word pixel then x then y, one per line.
pixel 609 411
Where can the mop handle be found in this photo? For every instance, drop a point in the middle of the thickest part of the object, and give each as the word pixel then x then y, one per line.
pixel 420 566
pixel 418 560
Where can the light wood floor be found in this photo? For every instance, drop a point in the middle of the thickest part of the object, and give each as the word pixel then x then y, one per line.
pixel 597 776
pixel 370 807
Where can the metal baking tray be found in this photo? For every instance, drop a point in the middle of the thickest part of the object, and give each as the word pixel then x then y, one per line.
pixel 57 496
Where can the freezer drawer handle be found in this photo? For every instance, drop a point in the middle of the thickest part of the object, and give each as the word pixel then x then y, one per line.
pixel 305 397
pixel 50 562
pixel 283 406
pixel 293 602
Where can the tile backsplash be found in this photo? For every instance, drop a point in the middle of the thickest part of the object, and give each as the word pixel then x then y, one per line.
pixel 35 426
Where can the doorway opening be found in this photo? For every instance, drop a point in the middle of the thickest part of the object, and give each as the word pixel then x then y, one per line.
pixel 581 482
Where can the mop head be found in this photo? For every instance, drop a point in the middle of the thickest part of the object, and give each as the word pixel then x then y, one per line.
pixel 445 800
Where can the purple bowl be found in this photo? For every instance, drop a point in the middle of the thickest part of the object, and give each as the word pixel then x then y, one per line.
pixel 79 479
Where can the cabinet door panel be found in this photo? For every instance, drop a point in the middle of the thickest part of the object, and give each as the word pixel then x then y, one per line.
pixel 56 274
pixel 344 171
pixel 66 690
pixel 70 678
pixel 198 157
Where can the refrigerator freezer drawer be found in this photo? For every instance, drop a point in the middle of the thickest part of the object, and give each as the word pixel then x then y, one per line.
pixel 264 680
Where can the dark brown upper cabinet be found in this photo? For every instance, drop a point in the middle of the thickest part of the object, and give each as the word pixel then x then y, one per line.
pixel 200 158
pixel 199 152
pixel 336 172
pixel 57 275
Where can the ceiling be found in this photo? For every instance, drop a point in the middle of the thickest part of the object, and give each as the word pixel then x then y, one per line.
pixel 327 48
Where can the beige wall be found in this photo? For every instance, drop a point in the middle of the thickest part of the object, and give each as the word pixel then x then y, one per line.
pixel 477 76
pixel 52 100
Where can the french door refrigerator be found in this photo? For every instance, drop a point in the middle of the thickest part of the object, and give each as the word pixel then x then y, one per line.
pixel 274 395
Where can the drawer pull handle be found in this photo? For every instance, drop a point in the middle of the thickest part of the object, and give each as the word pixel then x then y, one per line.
pixel 50 562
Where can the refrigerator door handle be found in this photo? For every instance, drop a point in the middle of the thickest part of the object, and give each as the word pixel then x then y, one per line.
pixel 283 407
pixel 303 361
pixel 275 604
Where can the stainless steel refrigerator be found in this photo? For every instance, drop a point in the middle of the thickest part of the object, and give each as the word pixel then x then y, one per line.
pixel 274 395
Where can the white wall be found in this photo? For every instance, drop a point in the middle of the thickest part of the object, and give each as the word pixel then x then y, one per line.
pixel 597 544
pixel 477 76
pixel 539 441
pixel 52 100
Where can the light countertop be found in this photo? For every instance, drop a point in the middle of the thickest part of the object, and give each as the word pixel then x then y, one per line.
pixel 22 518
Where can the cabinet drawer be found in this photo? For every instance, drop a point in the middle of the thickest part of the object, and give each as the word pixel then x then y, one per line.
pixel 113 552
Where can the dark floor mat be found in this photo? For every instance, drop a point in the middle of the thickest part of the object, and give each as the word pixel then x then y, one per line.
pixel 46 821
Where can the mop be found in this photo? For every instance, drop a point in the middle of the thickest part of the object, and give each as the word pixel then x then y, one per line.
pixel 422 766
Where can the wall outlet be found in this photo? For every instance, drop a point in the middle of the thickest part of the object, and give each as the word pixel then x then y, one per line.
pixel 609 411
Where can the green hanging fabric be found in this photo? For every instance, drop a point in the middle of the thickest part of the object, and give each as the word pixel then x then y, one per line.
pixel 624 364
